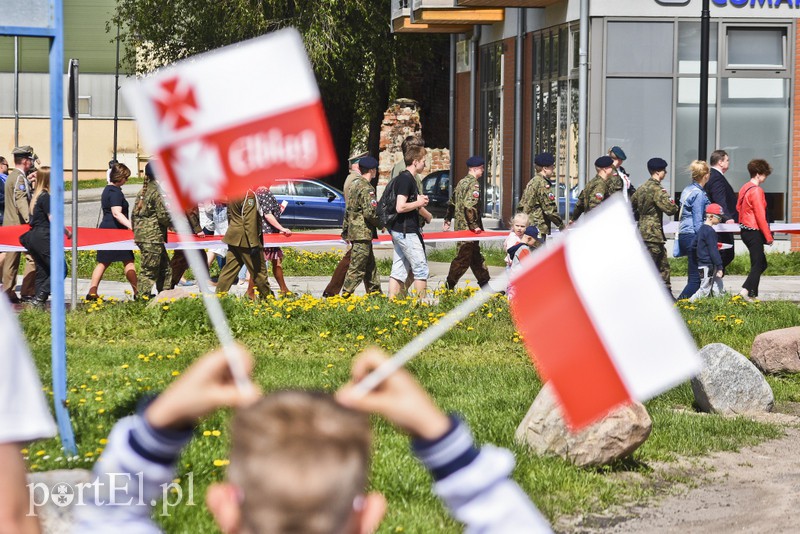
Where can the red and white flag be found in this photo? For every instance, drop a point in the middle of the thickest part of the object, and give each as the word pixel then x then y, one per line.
pixel 234 119
pixel 597 320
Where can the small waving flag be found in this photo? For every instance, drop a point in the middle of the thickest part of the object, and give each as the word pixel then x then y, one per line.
pixel 234 119
pixel 597 321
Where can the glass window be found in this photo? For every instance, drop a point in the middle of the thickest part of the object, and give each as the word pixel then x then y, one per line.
pixel 687 125
pixel 640 47
pixel 689 48
pixel 633 122
pixel 756 48
pixel 310 189
pixel 281 188
pixel 563 52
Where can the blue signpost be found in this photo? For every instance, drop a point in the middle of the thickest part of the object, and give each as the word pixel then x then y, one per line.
pixel 44 18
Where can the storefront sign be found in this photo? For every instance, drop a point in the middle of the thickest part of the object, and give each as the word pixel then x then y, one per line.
pixel 756 3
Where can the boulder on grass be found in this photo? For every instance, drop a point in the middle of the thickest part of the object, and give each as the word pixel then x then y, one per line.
pixel 777 351
pixel 616 436
pixel 55 498
pixel 169 294
pixel 729 383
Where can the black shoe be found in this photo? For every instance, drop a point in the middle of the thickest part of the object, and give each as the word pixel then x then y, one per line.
pixel 92 296
pixel 26 298
pixel 12 297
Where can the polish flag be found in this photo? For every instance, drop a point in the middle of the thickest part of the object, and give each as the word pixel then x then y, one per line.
pixel 598 322
pixel 234 119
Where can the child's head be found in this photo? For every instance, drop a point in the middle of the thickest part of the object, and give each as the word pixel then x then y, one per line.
pixel 713 214
pixel 299 462
pixel 531 236
pixel 519 223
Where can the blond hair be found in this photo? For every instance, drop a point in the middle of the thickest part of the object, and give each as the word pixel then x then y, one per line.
pixel 300 460
pixel 42 184
pixel 522 217
pixel 698 169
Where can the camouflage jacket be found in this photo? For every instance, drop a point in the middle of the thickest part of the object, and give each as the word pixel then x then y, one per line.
pixel 348 182
pixel 465 205
pixel 539 203
pixel 360 220
pixel 593 194
pixel 150 217
pixel 652 202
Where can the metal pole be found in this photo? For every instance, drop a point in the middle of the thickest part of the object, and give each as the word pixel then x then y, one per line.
pixel 57 320
pixel 516 189
pixel 116 95
pixel 702 130
pixel 74 71
pixel 16 91
pixel 451 134
pixel 583 91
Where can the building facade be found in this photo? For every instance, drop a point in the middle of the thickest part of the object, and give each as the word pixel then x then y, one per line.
pixel 643 90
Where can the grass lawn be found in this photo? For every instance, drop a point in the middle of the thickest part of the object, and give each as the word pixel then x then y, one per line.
pixel 118 352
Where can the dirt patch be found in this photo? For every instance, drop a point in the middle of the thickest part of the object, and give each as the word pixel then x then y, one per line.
pixel 754 490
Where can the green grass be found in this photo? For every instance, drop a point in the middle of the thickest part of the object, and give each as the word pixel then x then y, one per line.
pixel 495 256
pixel 118 352
pixel 96 183
pixel 780 264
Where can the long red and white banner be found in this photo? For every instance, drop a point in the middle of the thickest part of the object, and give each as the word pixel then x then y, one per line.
pixel 104 239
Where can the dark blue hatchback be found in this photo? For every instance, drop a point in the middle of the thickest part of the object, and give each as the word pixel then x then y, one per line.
pixel 310 203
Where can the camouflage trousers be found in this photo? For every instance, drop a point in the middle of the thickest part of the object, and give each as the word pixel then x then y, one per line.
pixel 154 269
pixel 362 267
pixel 659 254
pixel 468 257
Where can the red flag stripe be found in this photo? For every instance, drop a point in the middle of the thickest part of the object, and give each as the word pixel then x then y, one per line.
pixel 584 367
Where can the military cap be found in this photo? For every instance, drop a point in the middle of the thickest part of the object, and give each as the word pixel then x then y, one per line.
pixel 618 153
pixel 604 162
pixel 532 231
pixel 545 159
pixel 150 170
pixel 24 151
pixel 355 157
pixel 475 161
pixel 368 162
pixel 656 164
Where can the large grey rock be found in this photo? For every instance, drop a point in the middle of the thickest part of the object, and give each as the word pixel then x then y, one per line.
pixel 729 383
pixel 167 296
pixel 55 498
pixel 777 351
pixel 616 436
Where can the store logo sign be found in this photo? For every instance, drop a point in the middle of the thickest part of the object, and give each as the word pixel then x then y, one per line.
pixel 756 3
pixel 673 2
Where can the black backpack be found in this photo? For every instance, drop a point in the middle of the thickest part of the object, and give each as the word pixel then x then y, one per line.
pixel 387 205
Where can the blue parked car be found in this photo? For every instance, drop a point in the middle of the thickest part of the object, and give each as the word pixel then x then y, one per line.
pixel 310 203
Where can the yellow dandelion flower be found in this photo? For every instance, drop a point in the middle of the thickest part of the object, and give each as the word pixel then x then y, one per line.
pixel 125 366
pixel 102 441
pixel 175 373
pixel 206 433
pixel 359 337
pixel 101 410
pixel 220 463
pixel 39 453
pixel 216 433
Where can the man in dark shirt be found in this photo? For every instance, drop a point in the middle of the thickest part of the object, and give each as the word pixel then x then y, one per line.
pixel 409 251
pixel 720 192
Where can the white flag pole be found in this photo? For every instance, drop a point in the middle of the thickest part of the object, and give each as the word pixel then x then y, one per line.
pixel 215 313
pixel 426 338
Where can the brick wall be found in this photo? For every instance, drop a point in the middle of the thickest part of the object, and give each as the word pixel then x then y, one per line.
pixel 794 186
pixel 462 120
pixel 509 68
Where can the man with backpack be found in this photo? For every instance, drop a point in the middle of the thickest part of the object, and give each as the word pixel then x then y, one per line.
pixel 409 250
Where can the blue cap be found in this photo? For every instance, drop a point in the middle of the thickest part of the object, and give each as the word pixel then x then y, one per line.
pixel 656 164
pixel 618 153
pixel 545 159
pixel 150 170
pixel 368 162
pixel 532 231
pixel 475 161
pixel 603 162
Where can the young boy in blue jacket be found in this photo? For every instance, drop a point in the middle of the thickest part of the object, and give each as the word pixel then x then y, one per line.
pixel 709 260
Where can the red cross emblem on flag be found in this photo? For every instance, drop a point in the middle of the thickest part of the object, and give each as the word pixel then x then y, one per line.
pixel 175 103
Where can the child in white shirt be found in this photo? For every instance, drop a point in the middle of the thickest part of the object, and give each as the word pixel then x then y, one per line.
pixel 518 225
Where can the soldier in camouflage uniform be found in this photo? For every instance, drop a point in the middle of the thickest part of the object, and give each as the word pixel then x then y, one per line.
pixel 538 201
pixel 652 202
pixel 179 264
pixel 360 228
pixel 596 191
pixel 150 222
pixel 466 207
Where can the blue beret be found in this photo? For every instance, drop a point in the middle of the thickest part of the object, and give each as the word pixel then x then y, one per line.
pixel 603 162
pixel 545 159
pixel 475 161
pixel 532 231
pixel 618 153
pixel 150 170
pixel 368 162
pixel 656 164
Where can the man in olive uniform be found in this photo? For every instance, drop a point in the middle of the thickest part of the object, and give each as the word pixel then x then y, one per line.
pixel 360 228
pixel 652 202
pixel 596 190
pixel 538 201
pixel 465 205
pixel 18 192
pixel 150 223
pixel 245 245
pixel 619 180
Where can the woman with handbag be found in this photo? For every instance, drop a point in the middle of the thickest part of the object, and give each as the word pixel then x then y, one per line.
pixel 691 216
pixel 755 232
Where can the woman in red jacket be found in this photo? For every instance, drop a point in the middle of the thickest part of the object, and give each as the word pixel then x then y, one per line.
pixel 752 208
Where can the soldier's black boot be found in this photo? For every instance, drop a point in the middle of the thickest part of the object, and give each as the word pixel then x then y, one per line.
pixel 40 300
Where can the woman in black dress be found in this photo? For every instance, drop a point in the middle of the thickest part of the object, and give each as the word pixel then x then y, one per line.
pixel 115 216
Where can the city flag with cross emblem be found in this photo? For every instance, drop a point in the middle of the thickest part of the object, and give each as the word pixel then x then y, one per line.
pixel 597 321
pixel 234 119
